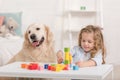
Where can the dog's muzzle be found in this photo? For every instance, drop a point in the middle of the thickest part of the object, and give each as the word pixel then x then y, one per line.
pixel 36 42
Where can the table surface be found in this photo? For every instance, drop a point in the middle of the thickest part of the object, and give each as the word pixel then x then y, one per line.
pixel 96 72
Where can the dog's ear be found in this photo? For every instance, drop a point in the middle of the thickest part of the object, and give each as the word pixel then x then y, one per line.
pixel 26 40
pixel 49 35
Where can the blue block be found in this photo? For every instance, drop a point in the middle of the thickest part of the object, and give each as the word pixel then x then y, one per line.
pixel 46 66
pixel 75 67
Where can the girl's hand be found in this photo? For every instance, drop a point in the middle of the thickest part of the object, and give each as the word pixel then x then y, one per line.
pixel 60 60
pixel 59 56
pixel 78 63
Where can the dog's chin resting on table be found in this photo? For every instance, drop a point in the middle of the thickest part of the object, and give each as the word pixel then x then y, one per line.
pixel 38 46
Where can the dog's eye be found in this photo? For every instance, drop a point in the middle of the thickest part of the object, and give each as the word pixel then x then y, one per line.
pixel 37 28
pixel 29 32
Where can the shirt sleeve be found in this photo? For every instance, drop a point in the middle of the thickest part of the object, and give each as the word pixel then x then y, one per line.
pixel 76 54
pixel 98 58
pixel 73 51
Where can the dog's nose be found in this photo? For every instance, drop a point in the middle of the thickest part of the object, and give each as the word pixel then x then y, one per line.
pixel 33 36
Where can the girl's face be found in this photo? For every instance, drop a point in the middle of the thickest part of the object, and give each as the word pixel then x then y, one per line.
pixel 87 41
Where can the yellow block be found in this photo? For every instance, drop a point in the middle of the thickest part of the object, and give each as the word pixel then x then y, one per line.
pixel 70 57
pixel 58 69
pixel 67 56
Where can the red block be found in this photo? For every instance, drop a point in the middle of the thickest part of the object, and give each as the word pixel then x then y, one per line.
pixel 66 67
pixel 33 66
pixel 49 67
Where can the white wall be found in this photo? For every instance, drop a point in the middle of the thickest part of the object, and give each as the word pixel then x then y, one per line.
pixel 49 12
pixel 111 17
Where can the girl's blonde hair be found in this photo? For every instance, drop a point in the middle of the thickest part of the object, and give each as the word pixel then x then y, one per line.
pixel 98 40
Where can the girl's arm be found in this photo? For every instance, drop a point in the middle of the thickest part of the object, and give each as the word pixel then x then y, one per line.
pixel 97 60
pixel 88 63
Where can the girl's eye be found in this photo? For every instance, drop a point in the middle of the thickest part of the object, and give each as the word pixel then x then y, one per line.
pixel 83 40
pixel 37 28
pixel 29 32
pixel 90 41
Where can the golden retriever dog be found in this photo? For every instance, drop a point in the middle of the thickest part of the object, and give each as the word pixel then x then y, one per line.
pixel 38 46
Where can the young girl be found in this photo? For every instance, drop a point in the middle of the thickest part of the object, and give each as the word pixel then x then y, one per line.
pixel 90 50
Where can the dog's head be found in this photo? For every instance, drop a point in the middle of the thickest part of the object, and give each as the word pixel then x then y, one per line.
pixel 36 35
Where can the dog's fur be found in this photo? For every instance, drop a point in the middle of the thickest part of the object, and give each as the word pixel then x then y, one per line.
pixel 38 46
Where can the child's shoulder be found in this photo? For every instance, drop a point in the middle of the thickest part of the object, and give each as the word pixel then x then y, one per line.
pixel 77 48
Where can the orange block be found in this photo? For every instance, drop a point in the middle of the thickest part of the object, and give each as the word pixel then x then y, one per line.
pixel 53 68
pixel 24 65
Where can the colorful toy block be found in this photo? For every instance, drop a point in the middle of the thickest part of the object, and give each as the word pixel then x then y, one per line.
pixel 67 56
pixel 40 68
pixel 24 66
pixel 66 65
pixel 46 66
pixel 75 67
pixel 33 66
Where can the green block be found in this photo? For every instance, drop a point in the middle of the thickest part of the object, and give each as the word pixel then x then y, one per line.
pixel 66 62
pixel 66 49
pixel 53 64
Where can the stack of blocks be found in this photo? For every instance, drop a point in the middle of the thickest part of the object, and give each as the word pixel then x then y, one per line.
pixel 67 64
pixel 68 59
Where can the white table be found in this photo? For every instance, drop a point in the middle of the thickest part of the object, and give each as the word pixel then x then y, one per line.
pixel 97 73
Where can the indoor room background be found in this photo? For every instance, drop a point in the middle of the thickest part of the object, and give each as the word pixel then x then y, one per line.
pixel 51 13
